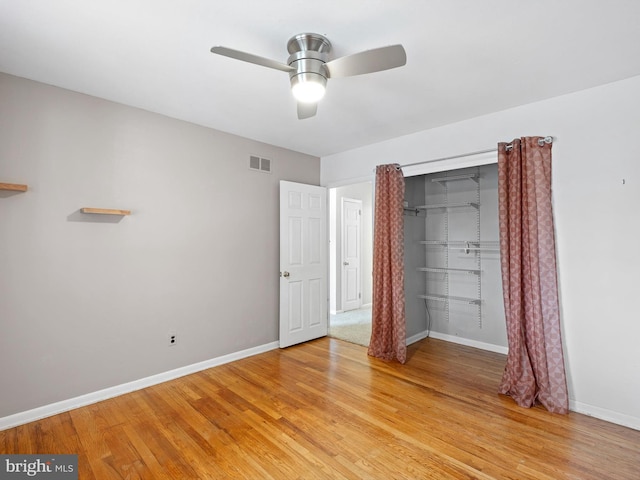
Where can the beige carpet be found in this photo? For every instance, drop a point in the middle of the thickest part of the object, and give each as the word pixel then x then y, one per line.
pixel 353 326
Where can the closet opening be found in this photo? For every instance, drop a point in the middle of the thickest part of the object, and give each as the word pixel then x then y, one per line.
pixel 453 284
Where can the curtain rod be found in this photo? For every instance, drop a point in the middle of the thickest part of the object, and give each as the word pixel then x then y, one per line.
pixel 541 142
pixel 450 158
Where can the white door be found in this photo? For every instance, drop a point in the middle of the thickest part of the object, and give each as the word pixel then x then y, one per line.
pixel 303 263
pixel 351 248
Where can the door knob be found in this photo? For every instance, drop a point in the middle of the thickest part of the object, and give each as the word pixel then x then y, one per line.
pixel 286 274
pixel 345 263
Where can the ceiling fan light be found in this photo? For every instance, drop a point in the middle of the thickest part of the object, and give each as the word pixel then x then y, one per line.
pixel 308 87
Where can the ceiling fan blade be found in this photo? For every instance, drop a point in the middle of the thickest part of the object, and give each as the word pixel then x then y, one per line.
pixel 369 61
pixel 306 110
pixel 250 58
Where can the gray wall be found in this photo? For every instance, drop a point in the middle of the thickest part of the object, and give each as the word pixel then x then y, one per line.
pixel 414 256
pixel 87 303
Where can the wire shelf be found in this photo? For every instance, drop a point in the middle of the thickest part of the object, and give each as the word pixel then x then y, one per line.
pixel 449 298
pixel 446 205
pixel 446 270
pixel 449 178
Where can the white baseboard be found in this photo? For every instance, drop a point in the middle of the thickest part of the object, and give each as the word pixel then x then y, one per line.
pixel 417 337
pixel 459 340
pixel 94 397
pixel 604 414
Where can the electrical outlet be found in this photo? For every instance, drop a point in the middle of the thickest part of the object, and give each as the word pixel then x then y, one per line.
pixel 173 339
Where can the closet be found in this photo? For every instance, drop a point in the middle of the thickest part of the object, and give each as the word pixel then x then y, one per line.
pixel 453 283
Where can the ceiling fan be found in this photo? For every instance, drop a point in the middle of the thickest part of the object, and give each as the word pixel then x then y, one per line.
pixel 309 66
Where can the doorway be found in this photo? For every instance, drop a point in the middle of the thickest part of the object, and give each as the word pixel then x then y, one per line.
pixel 351 262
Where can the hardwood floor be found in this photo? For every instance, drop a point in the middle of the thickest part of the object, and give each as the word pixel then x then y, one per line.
pixel 326 410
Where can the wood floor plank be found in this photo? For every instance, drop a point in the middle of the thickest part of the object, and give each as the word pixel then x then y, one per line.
pixel 326 410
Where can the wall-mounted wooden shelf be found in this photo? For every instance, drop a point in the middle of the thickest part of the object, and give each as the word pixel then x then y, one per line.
pixel 105 211
pixel 14 187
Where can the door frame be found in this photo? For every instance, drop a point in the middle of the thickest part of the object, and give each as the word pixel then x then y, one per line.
pixel 333 211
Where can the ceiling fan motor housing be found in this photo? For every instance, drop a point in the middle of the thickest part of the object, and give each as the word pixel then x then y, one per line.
pixel 308 54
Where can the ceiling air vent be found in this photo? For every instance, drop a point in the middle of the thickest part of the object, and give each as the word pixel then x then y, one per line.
pixel 260 164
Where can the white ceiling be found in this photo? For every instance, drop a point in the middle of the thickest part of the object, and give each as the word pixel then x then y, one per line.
pixel 465 58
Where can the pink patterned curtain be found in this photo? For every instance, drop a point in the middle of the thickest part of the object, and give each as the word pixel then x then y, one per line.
pixel 535 365
pixel 389 331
